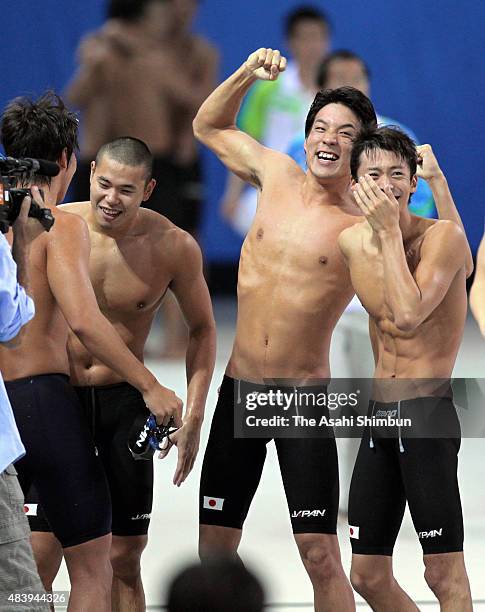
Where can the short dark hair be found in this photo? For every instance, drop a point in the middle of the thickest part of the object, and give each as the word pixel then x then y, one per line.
pixel 128 10
pixel 216 585
pixel 304 13
pixel 388 138
pixel 40 128
pixel 350 97
pixel 128 151
pixel 341 54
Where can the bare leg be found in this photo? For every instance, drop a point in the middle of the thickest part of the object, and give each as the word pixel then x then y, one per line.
pixel 446 576
pixel 320 554
pixel 48 556
pixel 372 577
pixel 90 575
pixel 215 540
pixel 127 593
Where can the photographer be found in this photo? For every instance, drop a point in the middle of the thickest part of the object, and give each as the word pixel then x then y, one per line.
pixel 19 573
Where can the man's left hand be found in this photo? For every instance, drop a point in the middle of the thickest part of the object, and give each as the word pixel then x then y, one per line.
pixel 381 209
pixel 186 439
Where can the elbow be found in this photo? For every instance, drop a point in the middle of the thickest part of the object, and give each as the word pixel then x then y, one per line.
pixel 198 128
pixel 80 327
pixel 206 331
pixel 406 322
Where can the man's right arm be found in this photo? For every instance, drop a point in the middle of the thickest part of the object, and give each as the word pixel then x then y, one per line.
pixel 16 307
pixel 477 293
pixel 68 275
pixel 215 123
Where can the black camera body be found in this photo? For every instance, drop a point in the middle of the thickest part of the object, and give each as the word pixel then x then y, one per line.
pixel 12 170
pixel 10 209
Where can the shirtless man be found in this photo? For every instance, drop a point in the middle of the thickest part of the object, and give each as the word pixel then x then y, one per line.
pixel 136 255
pixel 61 461
pixel 293 287
pixel 409 273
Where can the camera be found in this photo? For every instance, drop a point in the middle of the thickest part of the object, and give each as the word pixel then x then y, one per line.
pixel 10 208
pixel 11 197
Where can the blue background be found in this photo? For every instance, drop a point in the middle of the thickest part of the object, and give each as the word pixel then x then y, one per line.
pixel 427 61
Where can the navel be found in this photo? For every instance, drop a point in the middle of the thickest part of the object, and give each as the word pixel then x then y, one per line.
pixel 140 305
pixel 260 233
pixel 322 259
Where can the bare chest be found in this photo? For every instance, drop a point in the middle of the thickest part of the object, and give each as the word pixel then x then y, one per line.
pixel 303 245
pixel 126 280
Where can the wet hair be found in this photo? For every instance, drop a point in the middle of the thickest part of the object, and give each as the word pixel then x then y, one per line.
pixel 40 128
pixel 128 151
pixel 342 54
pixel 350 97
pixel 216 585
pixel 304 13
pixel 388 138
pixel 128 10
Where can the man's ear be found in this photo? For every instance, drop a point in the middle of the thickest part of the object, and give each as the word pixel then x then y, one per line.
pixel 93 170
pixel 414 183
pixel 63 160
pixel 149 189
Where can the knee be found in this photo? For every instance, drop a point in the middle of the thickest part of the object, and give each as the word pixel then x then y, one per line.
pixel 125 561
pixel 370 583
pixel 438 579
pixel 320 561
pixel 217 541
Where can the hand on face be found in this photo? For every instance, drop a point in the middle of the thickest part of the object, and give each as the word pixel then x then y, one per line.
pixel 381 209
pixel 266 64
pixel 428 167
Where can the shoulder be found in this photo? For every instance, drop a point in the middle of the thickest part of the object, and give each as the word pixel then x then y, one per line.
pixel 440 229
pixel 164 234
pixel 69 225
pixel 282 162
pixel 444 238
pixel 350 237
pixel 78 208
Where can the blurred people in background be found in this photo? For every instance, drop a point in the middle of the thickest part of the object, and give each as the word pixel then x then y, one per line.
pixel 218 585
pixel 144 74
pixel 477 293
pixel 274 112
pixel 346 68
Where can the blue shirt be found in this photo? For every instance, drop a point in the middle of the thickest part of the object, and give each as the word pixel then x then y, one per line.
pixel 16 309
pixel 422 202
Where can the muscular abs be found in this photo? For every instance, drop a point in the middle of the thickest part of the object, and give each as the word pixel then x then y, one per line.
pixel 293 286
pixel 430 350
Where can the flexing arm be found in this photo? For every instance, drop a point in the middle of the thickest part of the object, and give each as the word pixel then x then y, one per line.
pixel 68 274
pixel 190 289
pixel 215 123
pixel 477 293
pixel 443 253
pixel 430 171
